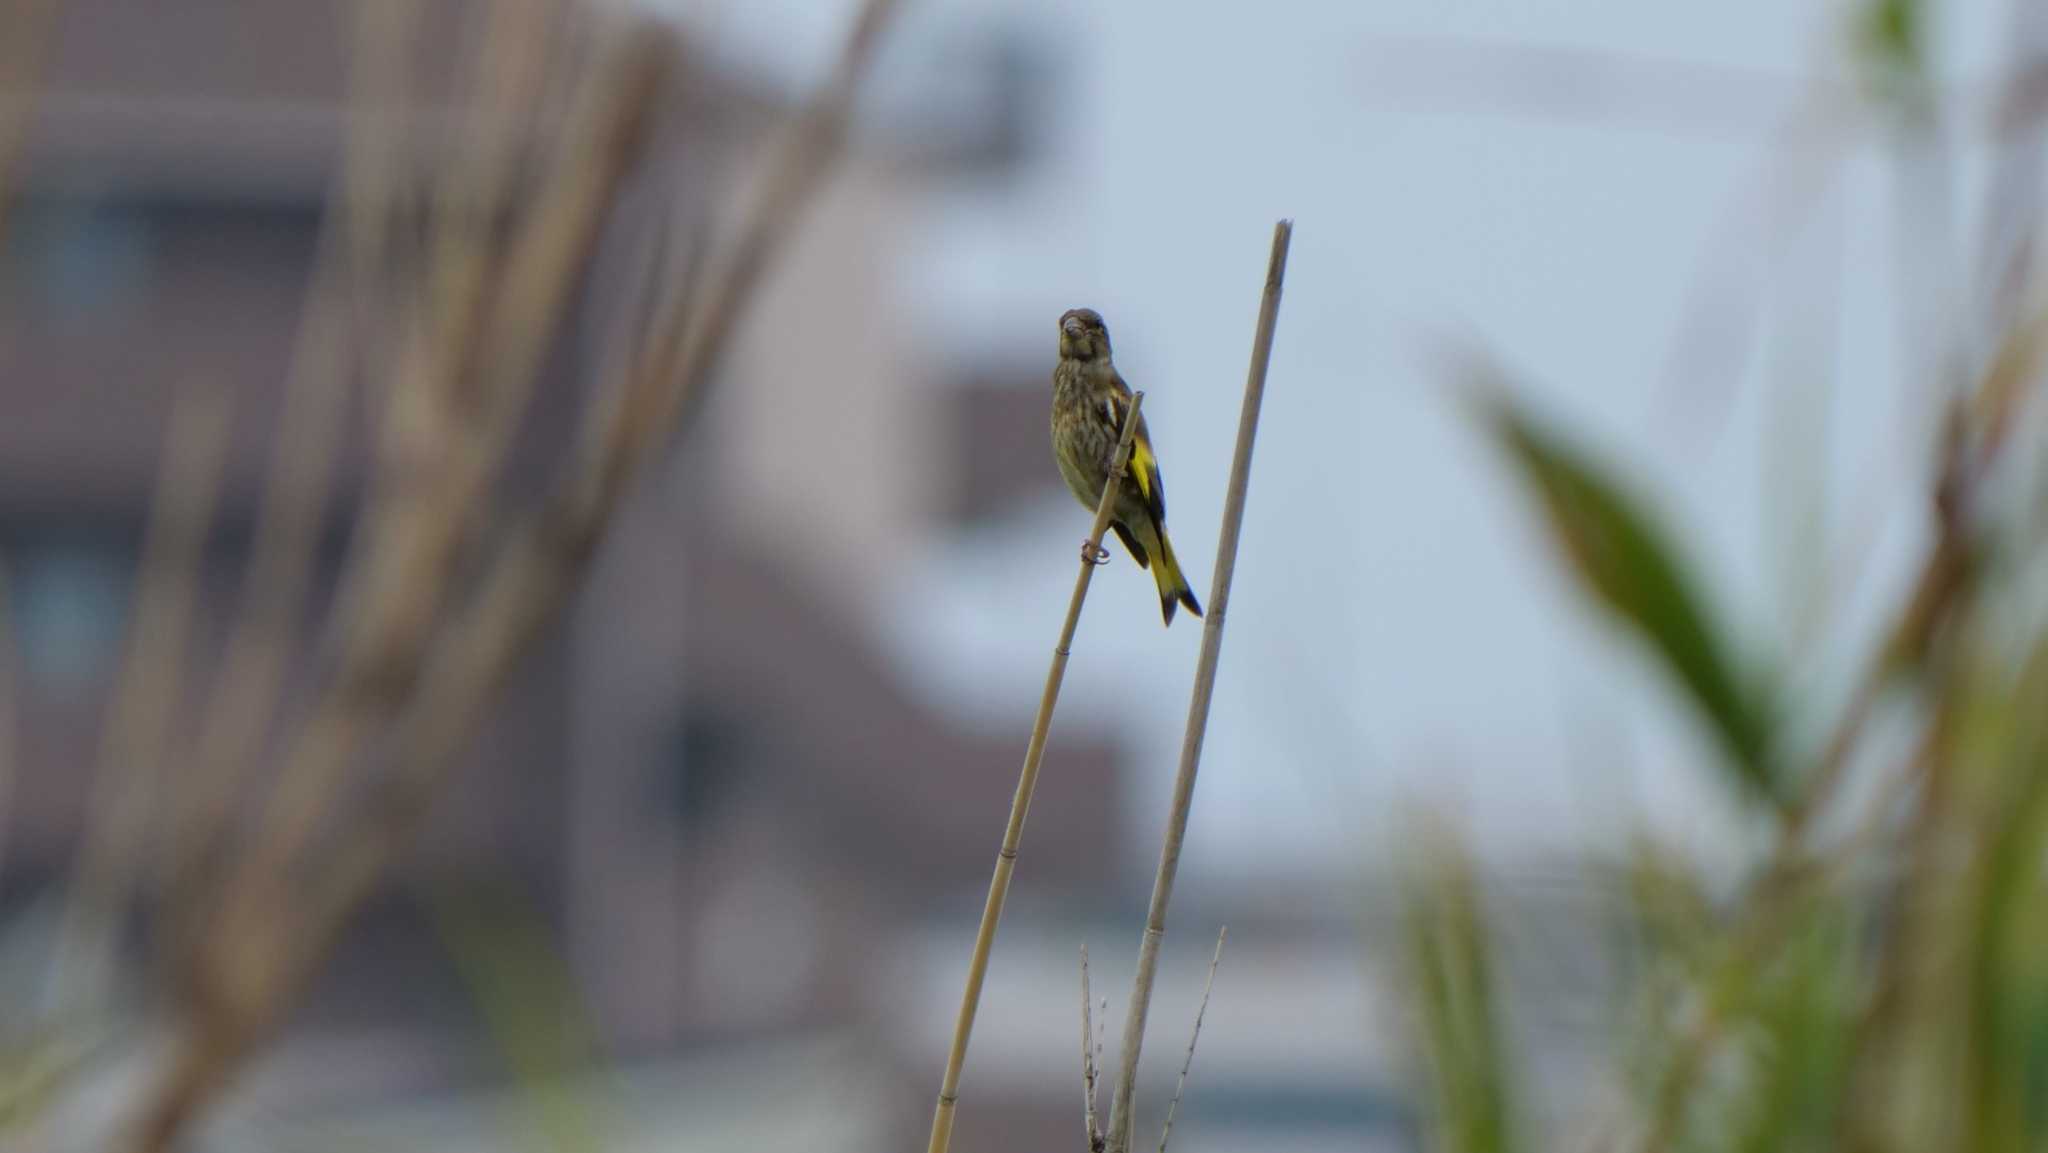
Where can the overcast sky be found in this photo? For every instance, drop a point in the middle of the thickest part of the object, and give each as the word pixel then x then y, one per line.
pixel 1662 219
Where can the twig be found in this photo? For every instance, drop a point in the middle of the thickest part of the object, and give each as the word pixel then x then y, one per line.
pixel 1088 1060
pixel 1120 1121
pixel 1188 1061
pixel 1027 783
pixel 1101 1033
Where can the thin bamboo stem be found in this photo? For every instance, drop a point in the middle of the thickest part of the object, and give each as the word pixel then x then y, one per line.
pixel 1204 690
pixel 1020 805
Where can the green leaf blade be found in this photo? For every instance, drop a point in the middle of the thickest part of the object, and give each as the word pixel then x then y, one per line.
pixel 1623 559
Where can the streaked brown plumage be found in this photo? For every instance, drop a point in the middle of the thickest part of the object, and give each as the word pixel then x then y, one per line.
pixel 1089 400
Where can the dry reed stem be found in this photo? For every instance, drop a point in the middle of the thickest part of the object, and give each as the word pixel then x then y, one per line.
pixel 377 177
pixel 507 73
pixel 525 586
pixel 539 563
pixel 1088 1095
pixel 145 697
pixel 1101 1031
pixel 543 267
pixel 337 336
pixel 669 281
pixel 534 274
pixel 679 367
pixel 1120 1119
pixel 432 480
pixel 442 450
pixel 1027 784
pixel 540 560
pixel 505 51
pixel 286 542
pixel 1188 1061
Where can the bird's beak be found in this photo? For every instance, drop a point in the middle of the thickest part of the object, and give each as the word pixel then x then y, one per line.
pixel 1072 328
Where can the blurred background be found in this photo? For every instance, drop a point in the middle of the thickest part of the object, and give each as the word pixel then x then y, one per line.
pixel 708 877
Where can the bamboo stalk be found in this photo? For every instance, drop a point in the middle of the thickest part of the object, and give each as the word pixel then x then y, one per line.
pixel 1204 690
pixel 1027 783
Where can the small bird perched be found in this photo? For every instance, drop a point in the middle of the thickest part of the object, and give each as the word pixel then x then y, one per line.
pixel 1089 401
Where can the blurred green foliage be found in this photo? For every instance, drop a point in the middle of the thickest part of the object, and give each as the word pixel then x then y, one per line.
pixel 528 1004
pixel 1875 980
pixel 1626 562
pixel 1452 963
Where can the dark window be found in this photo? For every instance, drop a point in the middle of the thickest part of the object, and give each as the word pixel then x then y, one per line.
pixel 707 747
pixel 69 605
pixel 88 262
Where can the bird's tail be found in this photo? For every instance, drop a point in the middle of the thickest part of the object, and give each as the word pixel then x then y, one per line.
pixel 1173 587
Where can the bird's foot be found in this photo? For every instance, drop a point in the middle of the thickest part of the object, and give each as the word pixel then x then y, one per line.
pixel 1092 553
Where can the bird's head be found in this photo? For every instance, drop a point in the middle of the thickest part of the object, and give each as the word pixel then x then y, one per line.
pixel 1083 336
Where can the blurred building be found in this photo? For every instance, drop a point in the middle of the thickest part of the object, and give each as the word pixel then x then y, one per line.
pixel 707 786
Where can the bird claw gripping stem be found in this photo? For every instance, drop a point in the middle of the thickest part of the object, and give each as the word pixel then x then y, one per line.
pixel 1092 553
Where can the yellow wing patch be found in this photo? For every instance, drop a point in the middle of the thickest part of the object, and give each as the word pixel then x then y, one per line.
pixel 1144 467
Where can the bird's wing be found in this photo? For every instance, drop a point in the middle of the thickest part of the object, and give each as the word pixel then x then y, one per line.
pixel 1144 466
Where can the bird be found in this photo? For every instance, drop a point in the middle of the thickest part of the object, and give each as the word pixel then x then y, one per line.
pixel 1089 400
